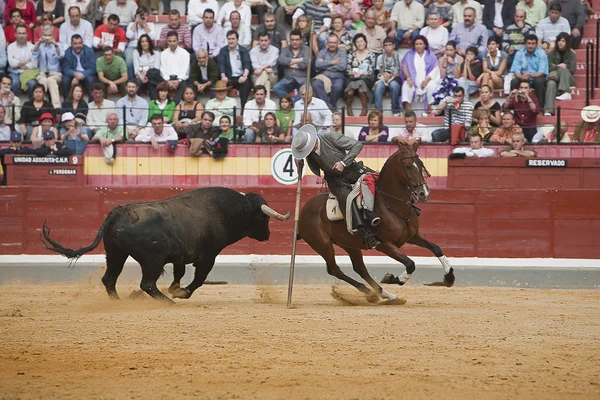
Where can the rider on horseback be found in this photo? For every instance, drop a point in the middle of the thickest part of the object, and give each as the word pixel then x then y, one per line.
pixel 335 154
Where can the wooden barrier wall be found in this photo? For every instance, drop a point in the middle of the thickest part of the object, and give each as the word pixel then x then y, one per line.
pixel 466 223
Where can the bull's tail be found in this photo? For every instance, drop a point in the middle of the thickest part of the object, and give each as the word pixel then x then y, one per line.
pixel 75 254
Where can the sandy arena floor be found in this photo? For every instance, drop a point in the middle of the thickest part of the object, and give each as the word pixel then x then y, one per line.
pixel 69 341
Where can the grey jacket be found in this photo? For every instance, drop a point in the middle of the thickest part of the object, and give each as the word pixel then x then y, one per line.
pixel 291 74
pixel 333 148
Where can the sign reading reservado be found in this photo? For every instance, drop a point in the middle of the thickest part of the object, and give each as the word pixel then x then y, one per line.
pixel 536 162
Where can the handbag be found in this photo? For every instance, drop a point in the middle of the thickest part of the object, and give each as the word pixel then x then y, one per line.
pixel 457 134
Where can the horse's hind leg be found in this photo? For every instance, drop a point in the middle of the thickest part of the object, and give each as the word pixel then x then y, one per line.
pixel 361 269
pixel 449 278
pixel 396 254
pixel 178 273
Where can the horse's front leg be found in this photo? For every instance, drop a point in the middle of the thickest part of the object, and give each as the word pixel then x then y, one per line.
pixel 392 251
pixel 449 278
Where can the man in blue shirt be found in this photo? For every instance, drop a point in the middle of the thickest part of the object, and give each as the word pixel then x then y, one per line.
pixel 531 65
pixel 48 55
pixel 331 62
pixel 79 67
pixel 469 33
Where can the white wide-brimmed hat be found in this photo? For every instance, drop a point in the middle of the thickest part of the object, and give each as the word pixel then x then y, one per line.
pixel 590 113
pixel 304 141
pixel 109 153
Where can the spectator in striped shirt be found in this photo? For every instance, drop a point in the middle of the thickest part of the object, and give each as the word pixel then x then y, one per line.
pixel 318 12
pixel 461 111
pixel 183 31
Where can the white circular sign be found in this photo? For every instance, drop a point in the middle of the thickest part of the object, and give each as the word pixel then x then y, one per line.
pixel 283 167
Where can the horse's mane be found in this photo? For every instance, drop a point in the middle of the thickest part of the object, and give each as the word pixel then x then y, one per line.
pixel 405 150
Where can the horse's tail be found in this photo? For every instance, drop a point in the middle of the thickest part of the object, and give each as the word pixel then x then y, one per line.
pixel 71 253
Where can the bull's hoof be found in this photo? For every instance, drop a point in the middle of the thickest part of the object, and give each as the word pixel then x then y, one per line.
pixel 391 279
pixel 181 293
pixel 173 288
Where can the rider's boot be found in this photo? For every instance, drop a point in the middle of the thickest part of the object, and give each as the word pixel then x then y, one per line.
pixel 368 237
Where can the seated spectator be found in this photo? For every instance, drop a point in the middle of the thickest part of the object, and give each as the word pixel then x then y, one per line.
pixel 498 15
pixel 124 9
pixel 157 133
pixel 45 124
pixel 47 20
pixel 526 107
pixel 99 108
pixel 221 104
pixel 481 124
pixel 470 71
pixel 531 64
pixel 55 8
pixel 27 9
pixel 22 65
pixel 175 65
pixel 319 112
pixel 573 11
pixel 503 134
pixel 588 130
pixel 3 54
pixel 195 11
pixel 135 114
pixel 382 15
pixel 243 30
pixel 408 17
pixel 514 36
pixel 388 77
pixel 436 34
pixel 4 129
pixel 109 134
pixel 162 104
pixel 16 139
pixel 184 34
pixel 78 66
pixel 561 67
pixel 331 68
pixel 187 112
pixel 205 129
pixel 449 71
pixel 208 35
pixel 285 117
pixel 269 132
pixel 461 110
pixel 350 11
pixel 222 18
pixel 285 12
pixel 533 11
pixel 475 148
pixel 75 103
pixel 72 130
pixel 548 29
pixel 204 73
pixel 458 11
pixel 318 12
pixel 543 136
pixel 336 123
pixel 48 54
pixel 486 102
pixel 254 112
pixel 236 74
pixel 16 19
pixel 410 131
pixel 226 131
pixel 517 148
pixel 376 131
pixel 337 28
pixel 50 147
pixel 276 31
pixel 146 64
pixel 140 26
pixel 8 99
pixel 422 74
pixel 76 26
pixel 294 61
pixel 32 110
pixel 303 26
pixel 112 71
pixel 494 65
pixel 374 34
pixel 264 62
pixel 469 33
pixel 110 34
pixel 360 72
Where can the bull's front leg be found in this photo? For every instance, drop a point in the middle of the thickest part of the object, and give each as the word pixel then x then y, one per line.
pixel 203 267
pixel 178 273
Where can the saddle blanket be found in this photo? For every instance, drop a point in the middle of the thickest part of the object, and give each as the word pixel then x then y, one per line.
pixel 363 193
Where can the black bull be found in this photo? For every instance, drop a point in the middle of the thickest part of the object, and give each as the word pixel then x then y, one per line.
pixel 192 227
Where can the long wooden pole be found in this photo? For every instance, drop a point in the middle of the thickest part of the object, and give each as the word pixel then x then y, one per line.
pixel 299 184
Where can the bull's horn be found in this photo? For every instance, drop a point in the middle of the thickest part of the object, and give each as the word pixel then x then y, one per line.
pixel 274 214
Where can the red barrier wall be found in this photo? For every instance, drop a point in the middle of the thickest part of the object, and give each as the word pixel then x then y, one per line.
pixel 466 223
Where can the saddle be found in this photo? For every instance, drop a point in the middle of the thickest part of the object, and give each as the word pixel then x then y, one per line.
pixel 362 193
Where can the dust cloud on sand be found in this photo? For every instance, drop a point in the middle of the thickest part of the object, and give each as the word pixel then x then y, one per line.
pixel 69 340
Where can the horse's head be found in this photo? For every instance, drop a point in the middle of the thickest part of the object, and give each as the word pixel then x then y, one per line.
pixel 411 170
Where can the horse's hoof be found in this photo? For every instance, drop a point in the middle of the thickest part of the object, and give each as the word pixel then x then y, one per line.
pixel 173 288
pixel 391 279
pixel 372 297
pixel 449 280
pixel 181 293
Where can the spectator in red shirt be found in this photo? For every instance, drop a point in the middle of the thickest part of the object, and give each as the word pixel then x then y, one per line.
pixel 526 107
pixel 47 19
pixel 16 18
pixel 27 9
pixel 110 34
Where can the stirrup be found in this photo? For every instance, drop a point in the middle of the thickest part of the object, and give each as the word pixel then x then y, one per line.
pixel 375 221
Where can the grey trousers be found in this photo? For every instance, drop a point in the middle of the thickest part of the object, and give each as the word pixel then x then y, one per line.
pixel 564 83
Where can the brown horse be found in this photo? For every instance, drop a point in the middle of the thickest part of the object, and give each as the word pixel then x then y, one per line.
pixel 400 184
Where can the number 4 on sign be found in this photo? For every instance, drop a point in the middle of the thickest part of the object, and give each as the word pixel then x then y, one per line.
pixel 283 167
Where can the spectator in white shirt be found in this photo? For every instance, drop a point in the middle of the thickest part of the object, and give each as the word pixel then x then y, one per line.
pixel 157 133
pixel 317 108
pixel 175 65
pixel 3 57
pixel 135 30
pixel 76 25
pixel 254 112
pixel 196 8
pixel 264 62
pixel 208 35
pixel 20 59
pixel 476 148
pixel 81 4
pixel 410 131
pixel 124 9
pixel 436 34
pixel 99 109
pixel 235 5
pixel 7 99
pixel 242 29
pixel 4 129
